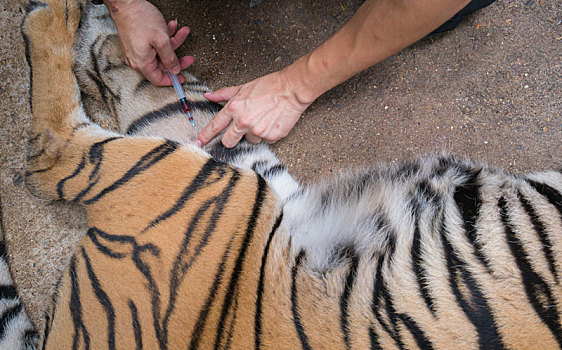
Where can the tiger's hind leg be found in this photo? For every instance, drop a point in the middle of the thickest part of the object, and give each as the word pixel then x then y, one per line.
pixel 69 157
pixel 49 31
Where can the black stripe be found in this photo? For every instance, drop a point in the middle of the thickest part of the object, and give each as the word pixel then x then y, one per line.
pixel 258 164
pixel 168 111
pixel 140 251
pixel 146 162
pixel 259 294
pixel 92 234
pixel 204 312
pixel 47 329
pixel 137 329
pixel 103 88
pixel 228 155
pixel 553 196
pixel 475 305
pixel 144 83
pixel 233 318
pixel 112 66
pixel 210 173
pixel 76 309
pixel 7 316
pixel 274 170
pixel 35 138
pixel 419 270
pixel 541 233
pixel 467 197
pixel 29 158
pixel 537 290
pixel 195 84
pixel 294 303
pixel 186 257
pixel 380 292
pixel 95 157
pixel 38 171
pixel 31 6
pixel 374 339
pixel 103 299
pixel 60 184
pixel 30 339
pixel 419 336
pixel 233 284
pixel 346 294
pixel 407 170
pixel 8 292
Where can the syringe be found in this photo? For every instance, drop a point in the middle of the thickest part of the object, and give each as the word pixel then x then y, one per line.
pixel 185 106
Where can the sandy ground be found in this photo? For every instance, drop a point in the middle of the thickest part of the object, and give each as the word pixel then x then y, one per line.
pixel 489 90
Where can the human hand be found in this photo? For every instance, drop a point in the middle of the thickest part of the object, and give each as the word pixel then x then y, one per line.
pixel 149 42
pixel 264 109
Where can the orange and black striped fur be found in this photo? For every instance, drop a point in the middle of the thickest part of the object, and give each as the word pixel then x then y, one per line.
pixel 194 250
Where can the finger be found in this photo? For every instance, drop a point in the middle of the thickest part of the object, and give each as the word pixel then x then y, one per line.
pixel 163 47
pixel 223 94
pixel 253 138
pixel 232 136
pixel 154 74
pixel 217 124
pixel 186 61
pixel 172 27
pixel 179 37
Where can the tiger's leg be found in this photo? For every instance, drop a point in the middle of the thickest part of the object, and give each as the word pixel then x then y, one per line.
pixel 69 157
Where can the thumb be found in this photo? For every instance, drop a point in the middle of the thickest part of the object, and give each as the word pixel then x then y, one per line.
pixel 223 94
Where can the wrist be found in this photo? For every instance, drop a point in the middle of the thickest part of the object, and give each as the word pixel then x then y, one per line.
pixel 305 87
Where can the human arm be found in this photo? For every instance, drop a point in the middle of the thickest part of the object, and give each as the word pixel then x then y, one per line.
pixel 149 42
pixel 268 107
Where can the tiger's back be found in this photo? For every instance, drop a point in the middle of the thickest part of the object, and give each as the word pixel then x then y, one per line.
pixel 185 250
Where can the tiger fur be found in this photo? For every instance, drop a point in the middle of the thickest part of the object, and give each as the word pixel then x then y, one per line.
pixel 189 249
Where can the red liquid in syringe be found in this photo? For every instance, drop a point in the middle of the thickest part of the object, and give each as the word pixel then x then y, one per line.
pixel 186 108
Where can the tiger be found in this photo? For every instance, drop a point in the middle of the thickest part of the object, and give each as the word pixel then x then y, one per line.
pixel 222 248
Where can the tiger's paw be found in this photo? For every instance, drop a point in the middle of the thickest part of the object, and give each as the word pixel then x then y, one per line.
pixel 50 27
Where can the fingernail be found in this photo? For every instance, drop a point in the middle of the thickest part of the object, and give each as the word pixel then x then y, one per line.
pixel 208 93
pixel 176 69
pixel 198 143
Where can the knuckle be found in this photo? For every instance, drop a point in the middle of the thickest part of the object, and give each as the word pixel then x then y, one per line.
pixel 161 39
pixel 244 122
pixel 213 127
pixel 235 105
pixel 259 129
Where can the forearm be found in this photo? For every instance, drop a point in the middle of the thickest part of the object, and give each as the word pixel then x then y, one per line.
pixel 378 29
